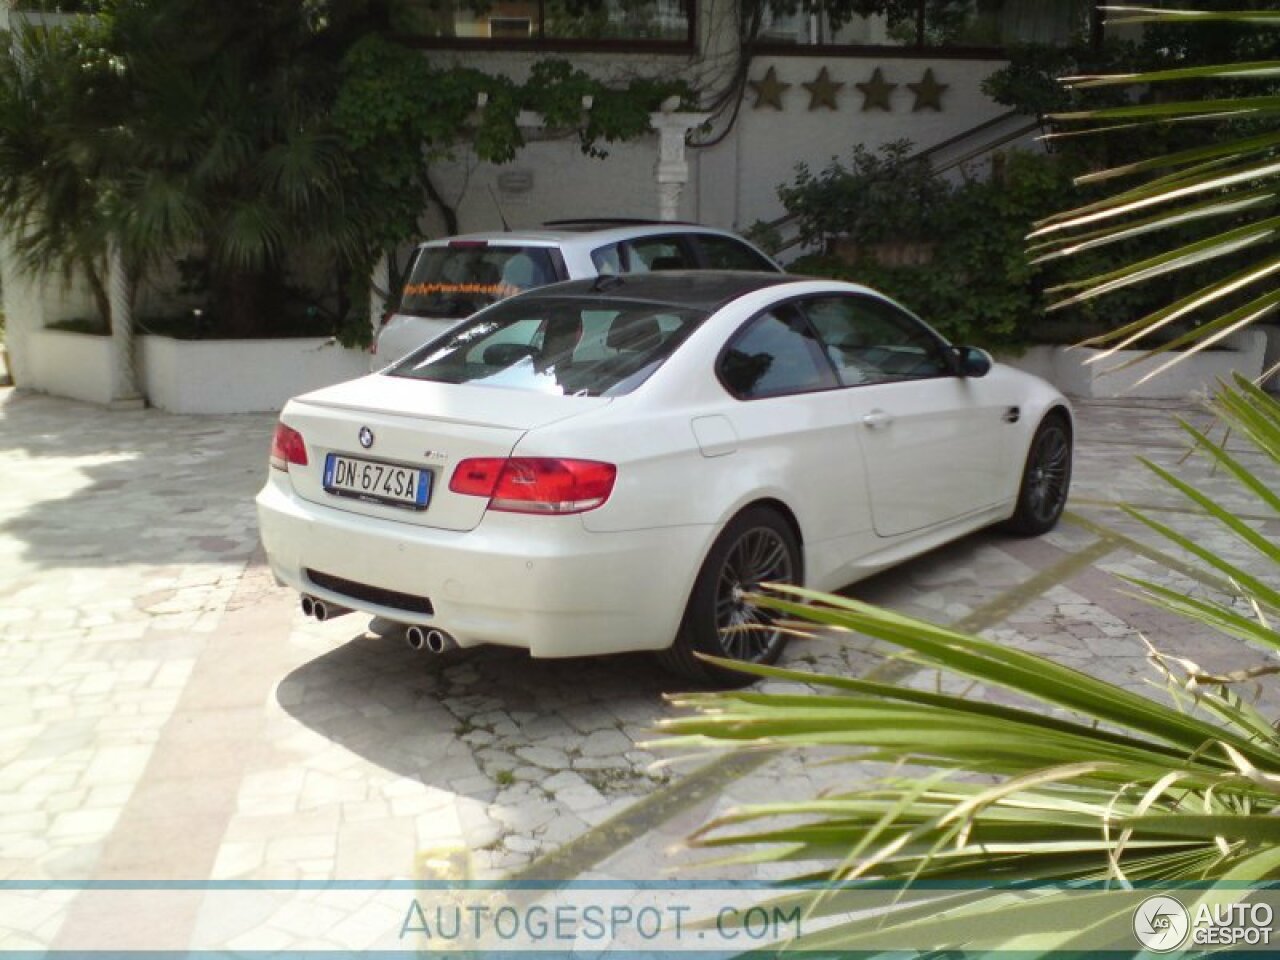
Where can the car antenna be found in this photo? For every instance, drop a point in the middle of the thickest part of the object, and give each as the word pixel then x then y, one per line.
pixel 501 216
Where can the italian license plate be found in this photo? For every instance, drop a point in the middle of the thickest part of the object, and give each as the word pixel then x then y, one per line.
pixel 382 482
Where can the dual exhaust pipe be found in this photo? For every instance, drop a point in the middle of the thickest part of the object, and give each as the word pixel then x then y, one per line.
pixel 418 638
pixel 322 610
pixel 431 640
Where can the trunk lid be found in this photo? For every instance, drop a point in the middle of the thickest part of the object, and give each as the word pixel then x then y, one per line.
pixel 421 426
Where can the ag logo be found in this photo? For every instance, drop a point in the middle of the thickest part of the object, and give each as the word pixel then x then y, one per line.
pixel 1161 924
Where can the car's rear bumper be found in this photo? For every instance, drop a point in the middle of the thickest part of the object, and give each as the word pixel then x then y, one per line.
pixel 545 584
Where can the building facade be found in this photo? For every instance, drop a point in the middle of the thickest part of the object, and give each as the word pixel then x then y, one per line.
pixel 781 88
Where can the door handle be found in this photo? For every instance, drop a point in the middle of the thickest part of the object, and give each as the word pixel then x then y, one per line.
pixel 877 419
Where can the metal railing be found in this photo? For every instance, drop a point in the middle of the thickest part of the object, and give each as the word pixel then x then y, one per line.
pixel 790 220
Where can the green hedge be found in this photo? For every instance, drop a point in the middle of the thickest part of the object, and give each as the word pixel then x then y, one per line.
pixel 980 287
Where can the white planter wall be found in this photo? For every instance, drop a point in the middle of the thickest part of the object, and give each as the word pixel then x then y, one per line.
pixel 241 376
pixel 1271 360
pixel 75 365
pixel 1070 370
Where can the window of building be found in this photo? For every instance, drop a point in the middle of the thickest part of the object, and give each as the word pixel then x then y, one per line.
pixel 635 21
pixel 932 24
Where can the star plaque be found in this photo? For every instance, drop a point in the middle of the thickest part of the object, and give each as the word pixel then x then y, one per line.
pixel 769 90
pixel 928 92
pixel 822 91
pixel 875 92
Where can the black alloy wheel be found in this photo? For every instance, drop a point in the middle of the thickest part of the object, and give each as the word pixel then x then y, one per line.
pixel 1046 479
pixel 756 547
pixel 758 556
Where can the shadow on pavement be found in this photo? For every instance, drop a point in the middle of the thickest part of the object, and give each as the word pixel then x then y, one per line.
pixel 89 487
pixel 412 713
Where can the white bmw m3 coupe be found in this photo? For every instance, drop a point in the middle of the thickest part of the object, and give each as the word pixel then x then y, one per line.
pixel 609 465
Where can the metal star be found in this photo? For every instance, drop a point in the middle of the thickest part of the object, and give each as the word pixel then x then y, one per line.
pixel 769 90
pixel 822 92
pixel 928 92
pixel 875 92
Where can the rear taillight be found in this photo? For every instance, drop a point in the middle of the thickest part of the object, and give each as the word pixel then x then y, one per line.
pixel 287 447
pixel 535 484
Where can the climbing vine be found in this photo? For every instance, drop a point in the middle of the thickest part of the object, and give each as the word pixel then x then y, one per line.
pixel 398 111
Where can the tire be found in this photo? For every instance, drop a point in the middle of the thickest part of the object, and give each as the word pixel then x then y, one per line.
pixel 1046 479
pixel 757 546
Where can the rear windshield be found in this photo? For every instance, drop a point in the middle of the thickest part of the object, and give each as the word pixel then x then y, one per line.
pixel 458 280
pixel 564 345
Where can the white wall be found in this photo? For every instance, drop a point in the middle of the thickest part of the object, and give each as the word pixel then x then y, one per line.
pixel 565 184
pixel 76 365
pixel 1082 372
pixel 31 303
pixel 739 179
pixel 240 376
pixel 734 183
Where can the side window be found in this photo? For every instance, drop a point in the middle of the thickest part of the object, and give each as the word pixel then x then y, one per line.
pixel 607 259
pixel 647 254
pixel 725 253
pixel 774 354
pixel 871 341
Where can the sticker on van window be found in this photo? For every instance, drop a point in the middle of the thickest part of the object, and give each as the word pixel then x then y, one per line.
pixel 498 290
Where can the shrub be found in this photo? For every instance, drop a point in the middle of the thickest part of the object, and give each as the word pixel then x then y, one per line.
pixel 979 287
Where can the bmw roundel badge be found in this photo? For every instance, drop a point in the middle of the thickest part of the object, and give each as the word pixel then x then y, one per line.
pixel 366 437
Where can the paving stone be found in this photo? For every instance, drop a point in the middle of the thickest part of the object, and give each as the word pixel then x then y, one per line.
pixel 298 848
pixel 606 743
pixel 544 757
pixel 563 780
pixel 520 844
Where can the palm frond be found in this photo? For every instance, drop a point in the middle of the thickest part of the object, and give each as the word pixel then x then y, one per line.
pixel 1227 189
pixel 1078 781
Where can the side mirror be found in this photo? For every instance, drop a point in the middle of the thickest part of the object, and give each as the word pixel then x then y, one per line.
pixel 972 362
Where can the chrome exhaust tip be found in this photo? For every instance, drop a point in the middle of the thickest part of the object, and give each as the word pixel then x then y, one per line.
pixel 438 641
pixel 416 637
pixel 308 606
pixel 323 610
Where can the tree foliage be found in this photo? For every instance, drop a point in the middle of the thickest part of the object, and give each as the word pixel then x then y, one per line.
pixel 279 147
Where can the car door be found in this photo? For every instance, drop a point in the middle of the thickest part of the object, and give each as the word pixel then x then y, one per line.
pixel 933 441
pixel 791 421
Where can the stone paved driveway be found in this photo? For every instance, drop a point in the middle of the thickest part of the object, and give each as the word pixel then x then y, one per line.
pixel 167 713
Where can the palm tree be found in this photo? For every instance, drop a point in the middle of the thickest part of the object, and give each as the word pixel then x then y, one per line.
pixel 51 199
pixel 166 128
pixel 232 149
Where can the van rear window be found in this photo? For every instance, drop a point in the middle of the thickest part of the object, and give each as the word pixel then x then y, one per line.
pixel 458 280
